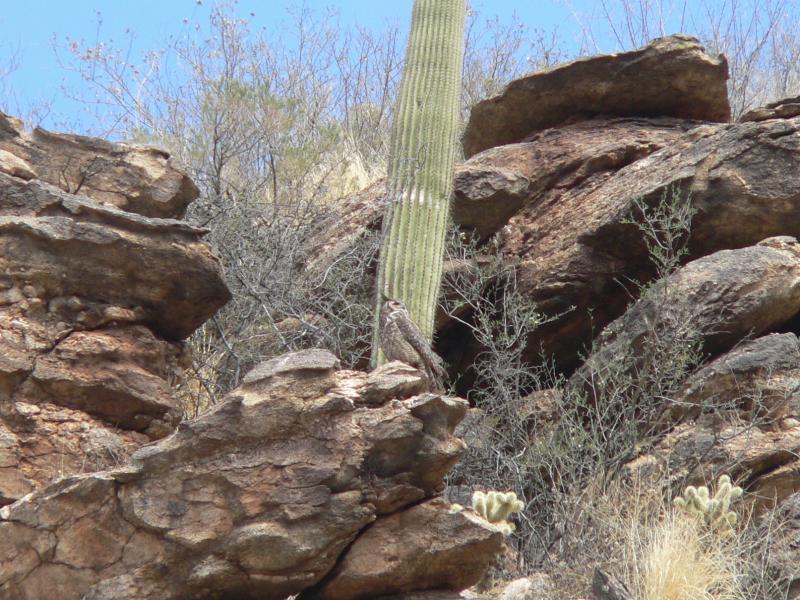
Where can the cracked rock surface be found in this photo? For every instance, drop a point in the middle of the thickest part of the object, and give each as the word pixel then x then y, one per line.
pixel 257 498
pixel 94 302
pixel 132 177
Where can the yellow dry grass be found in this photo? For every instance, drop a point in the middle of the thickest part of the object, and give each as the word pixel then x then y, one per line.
pixel 678 559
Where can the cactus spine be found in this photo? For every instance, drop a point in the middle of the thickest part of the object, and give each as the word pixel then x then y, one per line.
pixel 496 507
pixel 714 512
pixel 423 150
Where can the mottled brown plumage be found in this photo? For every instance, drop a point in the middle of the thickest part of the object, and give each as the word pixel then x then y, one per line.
pixel 402 340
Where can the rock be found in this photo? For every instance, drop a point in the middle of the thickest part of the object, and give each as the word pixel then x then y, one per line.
pixel 574 239
pixel 93 303
pixel 15 166
pixel 533 587
pixel 720 298
pixel 40 443
pixel 485 197
pixel 134 178
pixel 493 186
pixel 257 498
pixel 393 380
pixel 670 77
pixel 759 380
pixel 764 463
pixel 405 552
pixel 346 223
pixel 60 245
pixel 786 108
pixel 117 374
pixel 313 362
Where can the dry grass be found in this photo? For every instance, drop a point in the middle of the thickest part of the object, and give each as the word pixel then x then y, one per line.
pixel 679 559
pixel 660 553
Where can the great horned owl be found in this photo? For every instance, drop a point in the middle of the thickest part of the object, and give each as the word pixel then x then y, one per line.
pixel 402 340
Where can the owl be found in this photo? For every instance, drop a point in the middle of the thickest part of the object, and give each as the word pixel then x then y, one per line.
pixel 402 340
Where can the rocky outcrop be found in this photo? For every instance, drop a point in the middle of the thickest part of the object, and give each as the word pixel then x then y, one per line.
pixel 671 77
pixel 758 381
pixel 567 200
pixel 259 498
pixel 764 462
pixel 94 302
pixel 736 415
pixel 134 178
pixel 447 550
pixel 718 300
pixel 315 481
pixel 786 108
pixel 577 240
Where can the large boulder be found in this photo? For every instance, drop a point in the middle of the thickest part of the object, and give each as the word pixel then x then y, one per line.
pixel 449 550
pixel 786 108
pixel 575 192
pixel 715 301
pixel 758 381
pixel 764 462
pixel 94 302
pixel 577 239
pixel 132 177
pixel 670 77
pixel 121 267
pixel 738 415
pixel 257 498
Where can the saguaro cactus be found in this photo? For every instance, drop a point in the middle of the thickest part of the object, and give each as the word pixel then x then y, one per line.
pixel 423 149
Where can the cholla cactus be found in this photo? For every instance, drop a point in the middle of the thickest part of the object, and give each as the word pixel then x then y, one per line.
pixel 713 511
pixel 496 507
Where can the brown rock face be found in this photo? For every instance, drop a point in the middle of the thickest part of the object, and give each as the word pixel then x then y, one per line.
pixel 575 239
pixel 255 499
pixel 93 301
pixel 738 415
pixel 578 186
pixel 763 462
pixel 134 178
pixel 397 553
pixel 670 77
pixel 759 380
pixel 59 246
pixel 786 108
pixel 722 298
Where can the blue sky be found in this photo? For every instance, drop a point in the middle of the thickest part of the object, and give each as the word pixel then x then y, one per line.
pixel 30 28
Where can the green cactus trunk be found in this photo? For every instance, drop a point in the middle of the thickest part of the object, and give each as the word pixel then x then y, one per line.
pixel 423 150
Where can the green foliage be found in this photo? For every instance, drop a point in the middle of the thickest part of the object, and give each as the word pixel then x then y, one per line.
pixel 713 511
pixel 496 507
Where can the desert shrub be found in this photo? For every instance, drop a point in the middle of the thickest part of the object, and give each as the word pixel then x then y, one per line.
pixel 275 126
pixel 563 449
pixel 546 441
pixel 277 307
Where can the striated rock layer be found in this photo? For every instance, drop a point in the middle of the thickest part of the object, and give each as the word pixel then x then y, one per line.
pixel 258 498
pixel 94 302
pixel 670 77
pixel 134 178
